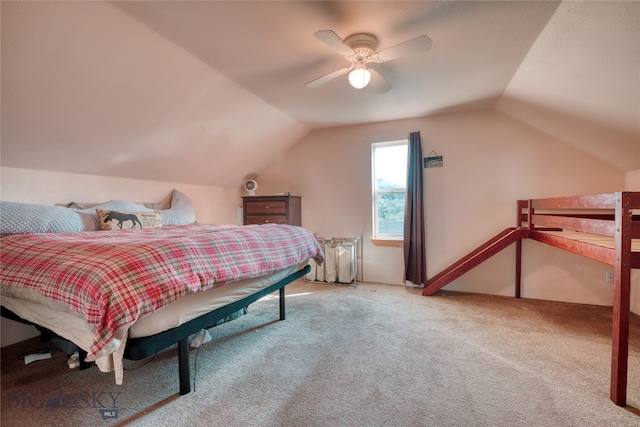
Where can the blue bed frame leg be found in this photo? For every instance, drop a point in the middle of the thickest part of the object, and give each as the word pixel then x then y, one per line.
pixel 183 366
pixel 282 311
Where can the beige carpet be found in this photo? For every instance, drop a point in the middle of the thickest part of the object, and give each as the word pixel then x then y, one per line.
pixel 374 355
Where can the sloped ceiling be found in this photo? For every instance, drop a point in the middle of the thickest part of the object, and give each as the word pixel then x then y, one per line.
pixel 211 92
pixel 581 80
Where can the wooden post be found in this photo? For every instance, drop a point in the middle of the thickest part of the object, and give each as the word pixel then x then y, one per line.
pixel 518 267
pixel 621 303
pixel 522 204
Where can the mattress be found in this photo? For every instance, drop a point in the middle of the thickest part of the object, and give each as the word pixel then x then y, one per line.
pixel 194 305
pixel 73 327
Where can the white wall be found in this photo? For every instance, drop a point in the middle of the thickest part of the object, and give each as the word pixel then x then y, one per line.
pixel 632 180
pixel 88 89
pixel 213 205
pixel 490 161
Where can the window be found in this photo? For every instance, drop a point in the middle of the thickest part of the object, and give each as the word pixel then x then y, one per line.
pixel 389 173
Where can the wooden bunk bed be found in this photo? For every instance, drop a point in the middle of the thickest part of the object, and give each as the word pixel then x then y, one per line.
pixel 602 227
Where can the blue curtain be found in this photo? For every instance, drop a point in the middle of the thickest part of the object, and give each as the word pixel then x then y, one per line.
pixel 415 262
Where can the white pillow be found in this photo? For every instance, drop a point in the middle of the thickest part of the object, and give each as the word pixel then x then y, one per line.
pixel 180 212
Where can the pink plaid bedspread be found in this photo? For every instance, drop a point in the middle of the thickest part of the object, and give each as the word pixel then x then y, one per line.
pixel 114 277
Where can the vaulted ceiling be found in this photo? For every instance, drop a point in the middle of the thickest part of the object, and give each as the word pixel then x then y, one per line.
pixel 269 48
pixel 188 91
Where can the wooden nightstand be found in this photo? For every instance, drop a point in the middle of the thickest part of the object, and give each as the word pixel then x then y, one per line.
pixel 272 210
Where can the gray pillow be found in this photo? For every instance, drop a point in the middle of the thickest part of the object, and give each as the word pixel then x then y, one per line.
pixel 20 218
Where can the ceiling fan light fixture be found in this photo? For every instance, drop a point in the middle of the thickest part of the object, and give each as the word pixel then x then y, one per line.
pixel 359 77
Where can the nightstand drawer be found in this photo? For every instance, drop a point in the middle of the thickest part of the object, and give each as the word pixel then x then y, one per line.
pixel 266 219
pixel 274 207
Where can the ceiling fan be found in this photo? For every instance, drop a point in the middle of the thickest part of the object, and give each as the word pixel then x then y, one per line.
pixel 361 49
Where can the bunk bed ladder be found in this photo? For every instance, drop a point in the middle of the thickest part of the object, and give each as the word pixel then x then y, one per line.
pixel 474 258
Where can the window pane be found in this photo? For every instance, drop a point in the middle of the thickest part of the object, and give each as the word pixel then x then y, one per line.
pixel 391 166
pixel 389 186
pixel 390 211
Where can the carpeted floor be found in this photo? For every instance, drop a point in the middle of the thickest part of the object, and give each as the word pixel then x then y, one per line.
pixel 373 355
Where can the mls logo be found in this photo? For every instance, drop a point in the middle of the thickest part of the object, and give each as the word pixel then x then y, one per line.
pixel 109 414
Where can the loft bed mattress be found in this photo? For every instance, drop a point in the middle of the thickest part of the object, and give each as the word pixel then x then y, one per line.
pixel 595 246
pixel 592 239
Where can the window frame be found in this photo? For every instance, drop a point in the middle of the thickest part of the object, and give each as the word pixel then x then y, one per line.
pixel 384 239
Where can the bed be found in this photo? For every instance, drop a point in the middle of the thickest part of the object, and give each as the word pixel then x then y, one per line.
pixel 604 227
pixel 129 293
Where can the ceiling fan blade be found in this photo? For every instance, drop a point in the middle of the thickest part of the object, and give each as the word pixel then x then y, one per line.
pixel 378 82
pixel 417 45
pixel 332 40
pixel 321 80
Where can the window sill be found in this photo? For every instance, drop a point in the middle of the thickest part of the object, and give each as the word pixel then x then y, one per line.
pixel 394 243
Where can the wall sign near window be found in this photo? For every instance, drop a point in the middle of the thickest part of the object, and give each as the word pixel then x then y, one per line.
pixel 433 160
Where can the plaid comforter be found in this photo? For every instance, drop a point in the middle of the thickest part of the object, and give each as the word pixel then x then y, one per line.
pixel 114 277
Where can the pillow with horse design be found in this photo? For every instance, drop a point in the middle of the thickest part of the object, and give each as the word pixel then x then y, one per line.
pixel 123 220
